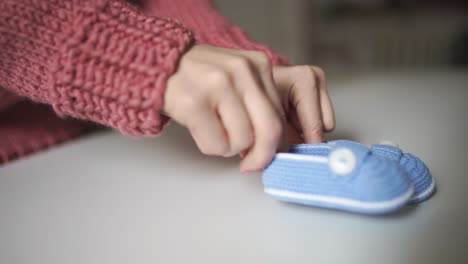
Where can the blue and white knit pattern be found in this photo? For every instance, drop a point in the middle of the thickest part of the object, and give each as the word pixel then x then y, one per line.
pixel 424 184
pixel 419 174
pixel 344 175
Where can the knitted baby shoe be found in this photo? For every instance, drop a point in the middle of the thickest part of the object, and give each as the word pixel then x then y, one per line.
pixel 421 178
pixel 344 175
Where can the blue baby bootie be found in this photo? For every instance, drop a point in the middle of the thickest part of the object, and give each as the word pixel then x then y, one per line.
pixel 344 175
pixel 419 175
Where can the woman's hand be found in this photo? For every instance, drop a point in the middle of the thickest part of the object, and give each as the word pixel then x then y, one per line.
pixel 305 98
pixel 234 101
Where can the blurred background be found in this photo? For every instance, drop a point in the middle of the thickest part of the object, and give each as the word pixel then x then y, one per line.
pixel 359 34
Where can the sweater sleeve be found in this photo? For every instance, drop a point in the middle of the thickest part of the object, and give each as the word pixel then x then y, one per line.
pixel 98 60
pixel 209 25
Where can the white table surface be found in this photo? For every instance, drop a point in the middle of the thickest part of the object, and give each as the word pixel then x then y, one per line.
pixel 106 198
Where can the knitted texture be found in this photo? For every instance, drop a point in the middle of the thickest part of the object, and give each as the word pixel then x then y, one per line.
pixel 373 185
pixel 103 61
pixel 418 173
pixel 424 184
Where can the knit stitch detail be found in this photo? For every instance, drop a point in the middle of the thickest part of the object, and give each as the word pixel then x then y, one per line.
pixel 96 60
pixel 114 68
pixel 99 60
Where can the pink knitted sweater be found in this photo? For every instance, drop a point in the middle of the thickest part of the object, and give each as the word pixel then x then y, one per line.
pixel 68 65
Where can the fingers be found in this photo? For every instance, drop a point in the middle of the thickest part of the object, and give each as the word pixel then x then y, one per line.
pixel 264 70
pixel 221 126
pixel 328 114
pixel 311 111
pixel 268 130
pixel 237 125
pixel 307 105
pixel 294 128
pixel 245 113
pixel 253 81
pixel 235 102
pixel 209 133
pixel 304 98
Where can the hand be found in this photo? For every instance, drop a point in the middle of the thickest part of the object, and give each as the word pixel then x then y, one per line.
pixel 306 101
pixel 234 101
pixel 229 102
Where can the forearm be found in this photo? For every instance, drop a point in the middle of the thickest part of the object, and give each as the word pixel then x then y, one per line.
pixel 96 60
pixel 208 24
